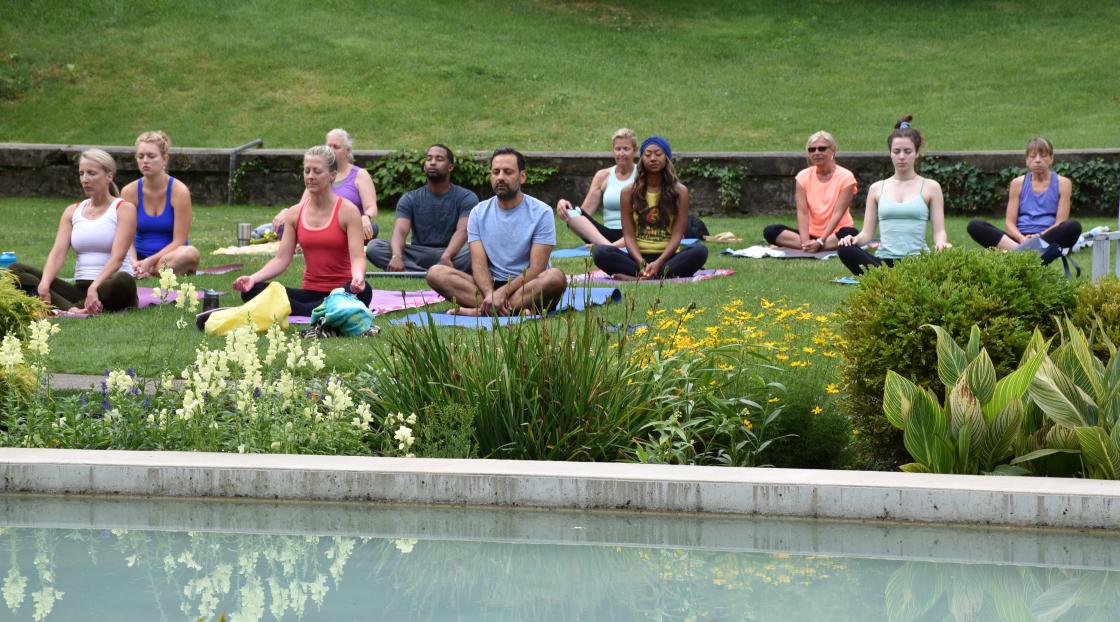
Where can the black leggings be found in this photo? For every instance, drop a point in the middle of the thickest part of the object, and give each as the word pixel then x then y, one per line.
pixel 304 301
pixel 117 293
pixel 1064 234
pixel 771 232
pixel 856 259
pixel 686 262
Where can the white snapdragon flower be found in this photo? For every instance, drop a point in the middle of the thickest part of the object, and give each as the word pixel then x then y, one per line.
pixel 41 331
pixel 187 297
pixel 364 417
pixel 11 352
pixel 119 381
pixel 336 399
pixel 404 438
pixel 315 357
pixel 167 283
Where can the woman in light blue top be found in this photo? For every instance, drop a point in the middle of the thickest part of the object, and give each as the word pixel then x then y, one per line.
pixel 900 206
pixel 607 185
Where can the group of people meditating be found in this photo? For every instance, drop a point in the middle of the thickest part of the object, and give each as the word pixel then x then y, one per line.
pixel 492 257
pixel 902 205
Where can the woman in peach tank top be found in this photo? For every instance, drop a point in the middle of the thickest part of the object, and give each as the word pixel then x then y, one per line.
pixel 824 193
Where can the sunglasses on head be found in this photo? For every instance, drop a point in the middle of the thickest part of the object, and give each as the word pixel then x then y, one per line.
pixel 817 149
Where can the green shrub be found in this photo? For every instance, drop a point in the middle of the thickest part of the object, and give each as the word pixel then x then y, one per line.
pixel 1007 295
pixel 17 309
pixel 1098 308
pixel 447 432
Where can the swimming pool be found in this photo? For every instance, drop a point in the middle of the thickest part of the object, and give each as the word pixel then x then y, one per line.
pixel 66 558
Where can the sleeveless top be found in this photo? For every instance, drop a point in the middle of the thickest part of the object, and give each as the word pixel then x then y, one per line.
pixel 651 238
pixel 348 189
pixel 92 241
pixel 1037 210
pixel 821 197
pixel 326 253
pixel 153 232
pixel 612 198
pixel 902 226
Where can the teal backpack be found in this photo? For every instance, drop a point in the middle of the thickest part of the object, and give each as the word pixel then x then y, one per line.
pixel 344 313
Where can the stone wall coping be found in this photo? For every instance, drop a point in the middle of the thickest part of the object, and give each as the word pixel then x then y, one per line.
pixel 1054 502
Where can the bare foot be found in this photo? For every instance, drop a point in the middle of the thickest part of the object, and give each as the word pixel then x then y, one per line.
pixel 464 311
pixel 624 277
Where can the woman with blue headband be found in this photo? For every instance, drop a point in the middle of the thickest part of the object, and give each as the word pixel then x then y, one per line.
pixel 654 219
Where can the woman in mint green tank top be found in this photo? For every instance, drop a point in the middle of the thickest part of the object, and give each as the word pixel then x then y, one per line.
pixel 606 187
pixel 900 206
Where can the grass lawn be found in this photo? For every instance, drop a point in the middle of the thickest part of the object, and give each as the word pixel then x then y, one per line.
pixel 718 75
pixel 148 341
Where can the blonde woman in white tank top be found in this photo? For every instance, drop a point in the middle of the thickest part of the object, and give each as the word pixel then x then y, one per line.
pixel 100 230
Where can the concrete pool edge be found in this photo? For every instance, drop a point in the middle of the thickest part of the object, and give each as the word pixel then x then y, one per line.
pixel 858 495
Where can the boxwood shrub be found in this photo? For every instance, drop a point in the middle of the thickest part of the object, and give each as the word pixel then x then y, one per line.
pixel 1007 295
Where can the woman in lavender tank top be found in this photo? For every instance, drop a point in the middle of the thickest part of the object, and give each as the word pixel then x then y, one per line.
pixel 1037 206
pixel 350 182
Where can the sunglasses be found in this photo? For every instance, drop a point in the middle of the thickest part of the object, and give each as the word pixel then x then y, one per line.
pixel 818 149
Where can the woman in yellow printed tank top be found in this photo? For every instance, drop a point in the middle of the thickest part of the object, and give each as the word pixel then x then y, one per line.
pixel 654 218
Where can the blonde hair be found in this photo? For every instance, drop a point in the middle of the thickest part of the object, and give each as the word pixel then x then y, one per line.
pixel 107 164
pixel 345 136
pixel 157 138
pixel 625 132
pixel 821 135
pixel 325 152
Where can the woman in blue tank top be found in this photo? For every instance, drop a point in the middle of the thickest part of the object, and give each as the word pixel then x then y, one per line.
pixel 163 212
pixel 900 206
pixel 1037 206
pixel 606 187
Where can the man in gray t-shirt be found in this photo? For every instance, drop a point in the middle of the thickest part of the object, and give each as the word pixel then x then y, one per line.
pixel 511 237
pixel 437 215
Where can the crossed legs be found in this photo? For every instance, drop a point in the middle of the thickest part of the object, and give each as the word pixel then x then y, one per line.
pixel 540 293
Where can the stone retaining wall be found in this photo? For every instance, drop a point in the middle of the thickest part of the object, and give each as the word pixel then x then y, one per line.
pixel 272 176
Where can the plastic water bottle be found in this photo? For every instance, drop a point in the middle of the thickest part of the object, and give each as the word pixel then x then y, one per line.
pixel 7 258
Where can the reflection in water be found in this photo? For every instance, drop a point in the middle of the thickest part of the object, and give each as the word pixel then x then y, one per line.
pixel 438 564
pixel 145 575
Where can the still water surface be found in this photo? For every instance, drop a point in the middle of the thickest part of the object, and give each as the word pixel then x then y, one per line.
pixel 130 559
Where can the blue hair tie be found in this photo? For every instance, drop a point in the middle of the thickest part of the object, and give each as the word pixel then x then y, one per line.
pixel 903 124
pixel 660 142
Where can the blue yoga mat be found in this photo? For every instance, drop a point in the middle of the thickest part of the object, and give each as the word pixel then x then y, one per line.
pixel 575 299
pixel 582 251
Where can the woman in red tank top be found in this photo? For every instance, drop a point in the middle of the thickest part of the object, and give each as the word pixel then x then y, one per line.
pixel 330 234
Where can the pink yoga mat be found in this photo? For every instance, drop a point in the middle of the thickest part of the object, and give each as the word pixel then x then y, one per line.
pixel 598 276
pixel 145 297
pixel 387 300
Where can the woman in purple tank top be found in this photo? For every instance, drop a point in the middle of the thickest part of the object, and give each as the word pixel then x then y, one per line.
pixel 350 182
pixel 1037 206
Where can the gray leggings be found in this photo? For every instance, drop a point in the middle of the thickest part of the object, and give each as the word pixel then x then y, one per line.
pixel 118 292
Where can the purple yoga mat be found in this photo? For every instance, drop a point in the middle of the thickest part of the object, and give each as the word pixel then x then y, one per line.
pixel 144 297
pixel 387 300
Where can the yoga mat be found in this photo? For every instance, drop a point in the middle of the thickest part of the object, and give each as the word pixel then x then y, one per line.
pixel 268 248
pixel 846 280
pixel 386 301
pixel 583 251
pixel 223 269
pixel 598 276
pixel 407 274
pixel 759 252
pixel 144 297
pixel 575 299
